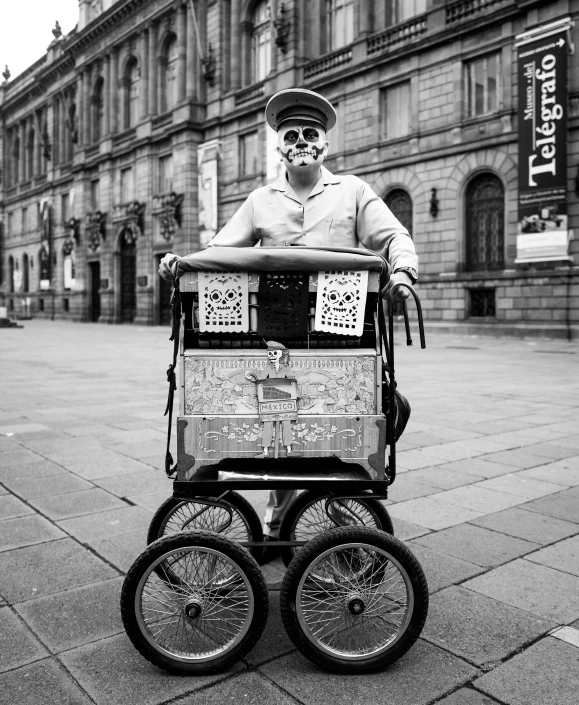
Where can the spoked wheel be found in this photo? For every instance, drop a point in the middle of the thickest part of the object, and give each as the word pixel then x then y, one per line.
pixel 233 516
pixel 354 600
pixel 313 512
pixel 194 603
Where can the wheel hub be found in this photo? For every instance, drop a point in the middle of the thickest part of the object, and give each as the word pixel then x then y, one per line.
pixel 356 605
pixel 193 609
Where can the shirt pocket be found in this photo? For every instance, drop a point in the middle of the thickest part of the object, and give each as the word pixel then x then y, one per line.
pixel 340 233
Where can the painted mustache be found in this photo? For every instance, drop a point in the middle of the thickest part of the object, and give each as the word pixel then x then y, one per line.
pixel 312 151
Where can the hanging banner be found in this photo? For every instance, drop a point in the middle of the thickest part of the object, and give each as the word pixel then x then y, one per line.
pixel 543 232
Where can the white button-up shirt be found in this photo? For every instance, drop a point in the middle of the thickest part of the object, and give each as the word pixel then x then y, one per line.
pixel 341 211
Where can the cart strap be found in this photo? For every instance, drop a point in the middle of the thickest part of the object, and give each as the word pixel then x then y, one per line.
pixel 171 376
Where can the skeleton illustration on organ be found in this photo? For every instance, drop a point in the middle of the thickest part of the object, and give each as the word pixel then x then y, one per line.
pixel 341 302
pixel 277 399
pixel 223 298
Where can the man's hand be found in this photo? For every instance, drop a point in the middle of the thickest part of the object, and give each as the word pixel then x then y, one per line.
pixel 165 266
pixel 401 293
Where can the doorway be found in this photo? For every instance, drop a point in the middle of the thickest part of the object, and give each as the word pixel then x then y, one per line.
pixel 95 297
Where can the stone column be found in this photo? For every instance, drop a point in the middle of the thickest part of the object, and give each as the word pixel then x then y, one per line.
pixel 88 111
pixel 114 91
pixel 145 87
pixel 23 152
pixel 153 80
pixel 244 30
pixel 192 70
pixel 82 107
pixel 182 53
pixel 235 39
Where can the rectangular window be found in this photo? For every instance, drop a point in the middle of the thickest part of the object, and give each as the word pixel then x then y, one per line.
pixel 401 10
pixel 94 195
pixel 395 111
pixel 165 174
pixel 65 305
pixel 127 185
pixel 10 224
pixel 64 215
pixel 482 84
pixel 339 23
pixel 41 305
pixel 25 220
pixel 249 154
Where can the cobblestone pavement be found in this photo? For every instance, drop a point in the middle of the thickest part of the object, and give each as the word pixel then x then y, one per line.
pixel 487 498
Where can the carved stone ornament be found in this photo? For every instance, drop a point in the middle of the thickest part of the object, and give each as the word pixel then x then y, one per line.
pixel 68 247
pixel 132 226
pixel 6 73
pixel 341 302
pixel 57 30
pixel 170 214
pixel 72 229
pixel 95 229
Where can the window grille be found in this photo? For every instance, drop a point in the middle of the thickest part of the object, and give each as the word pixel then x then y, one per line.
pixel 482 83
pixel 400 204
pixel 482 303
pixel 395 111
pixel 485 216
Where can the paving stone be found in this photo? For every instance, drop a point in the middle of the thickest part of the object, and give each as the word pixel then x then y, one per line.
pixel 467 696
pixel 121 550
pixel 146 480
pixel 3 490
pixel 554 451
pixel 479 499
pixel 129 678
pixel 545 673
pixel 106 524
pixel 429 512
pixel 76 504
pixel 41 682
pixel 75 617
pixel 247 688
pixel 406 489
pixel 568 634
pixel 477 545
pixel 60 483
pixel 477 466
pixel 532 587
pixel 102 463
pixel 406 530
pixel 521 486
pixel 47 568
pixel 11 507
pixel 415 459
pixel 36 469
pixel 531 526
pixel 561 506
pixel 21 427
pixel 421 675
pixel 443 478
pixel 11 460
pixel 563 472
pixel 562 556
pixel 27 530
pixel 478 628
pixel 442 570
pixel 17 645
pixel 274 641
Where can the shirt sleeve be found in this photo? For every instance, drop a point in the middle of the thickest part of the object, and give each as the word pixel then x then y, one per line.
pixel 238 231
pixel 380 231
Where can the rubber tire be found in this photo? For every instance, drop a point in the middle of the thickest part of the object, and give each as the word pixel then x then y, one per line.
pixel 309 553
pixel 237 501
pixel 206 539
pixel 304 500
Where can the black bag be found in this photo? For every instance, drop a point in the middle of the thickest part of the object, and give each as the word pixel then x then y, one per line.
pixel 401 411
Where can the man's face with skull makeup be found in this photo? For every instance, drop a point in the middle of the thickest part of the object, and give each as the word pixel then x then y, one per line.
pixel 301 144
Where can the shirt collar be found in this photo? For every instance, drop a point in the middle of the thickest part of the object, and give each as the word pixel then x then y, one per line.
pixel 282 184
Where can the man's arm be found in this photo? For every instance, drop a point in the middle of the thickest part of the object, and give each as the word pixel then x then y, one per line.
pixel 238 231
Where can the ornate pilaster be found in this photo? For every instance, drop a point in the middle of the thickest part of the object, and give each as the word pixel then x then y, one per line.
pixel 107 92
pixel 95 229
pixel 113 91
pixel 145 86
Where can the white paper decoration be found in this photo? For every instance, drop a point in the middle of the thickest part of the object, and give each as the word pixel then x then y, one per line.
pixel 341 302
pixel 223 302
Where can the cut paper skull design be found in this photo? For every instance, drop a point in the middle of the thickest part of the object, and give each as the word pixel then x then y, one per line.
pixel 223 302
pixel 341 302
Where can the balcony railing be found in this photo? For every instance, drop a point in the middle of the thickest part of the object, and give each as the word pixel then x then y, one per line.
pixel 126 136
pixel 91 152
pixel 400 34
pixel 162 121
pixel 464 9
pixel 248 94
pixel 328 62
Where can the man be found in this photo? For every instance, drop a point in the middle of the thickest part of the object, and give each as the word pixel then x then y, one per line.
pixel 310 206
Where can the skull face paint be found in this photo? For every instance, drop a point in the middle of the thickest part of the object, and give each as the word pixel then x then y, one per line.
pixel 302 145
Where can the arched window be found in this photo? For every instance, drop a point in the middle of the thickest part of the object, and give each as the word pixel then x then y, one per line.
pixel 168 73
pixel 16 161
pixel 30 155
pixel 131 97
pixel 400 204
pixel 485 223
pixel 25 274
pixel 260 42
pixel 97 108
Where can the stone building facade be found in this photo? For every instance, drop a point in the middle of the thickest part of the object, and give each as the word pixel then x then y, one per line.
pixel 142 131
